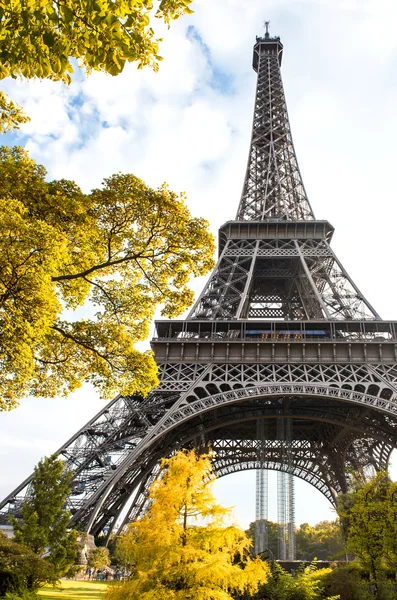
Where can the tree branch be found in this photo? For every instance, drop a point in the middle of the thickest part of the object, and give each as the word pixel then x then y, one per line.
pixel 111 263
pixel 70 337
pixel 107 296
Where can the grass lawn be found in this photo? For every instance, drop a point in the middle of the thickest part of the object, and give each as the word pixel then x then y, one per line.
pixel 74 590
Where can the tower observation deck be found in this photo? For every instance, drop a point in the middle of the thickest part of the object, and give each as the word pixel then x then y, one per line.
pixel 282 363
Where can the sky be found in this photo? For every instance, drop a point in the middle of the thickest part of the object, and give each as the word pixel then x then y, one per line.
pixel 190 125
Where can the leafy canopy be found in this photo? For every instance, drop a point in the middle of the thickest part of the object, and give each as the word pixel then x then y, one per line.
pixel 181 549
pixel 110 258
pixel 322 541
pixel 369 517
pixel 40 37
pixel 43 528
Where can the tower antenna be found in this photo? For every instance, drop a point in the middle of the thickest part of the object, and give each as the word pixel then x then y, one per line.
pixel 266 26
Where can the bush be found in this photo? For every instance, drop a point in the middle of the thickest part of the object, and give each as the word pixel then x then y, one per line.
pixel 10 581
pixel 307 584
pixel 352 582
pixel 24 595
pixel 346 581
pixel 18 559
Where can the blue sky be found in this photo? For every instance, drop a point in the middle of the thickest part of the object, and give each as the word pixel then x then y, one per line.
pixel 190 125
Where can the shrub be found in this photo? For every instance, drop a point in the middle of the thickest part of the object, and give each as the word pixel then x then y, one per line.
pixel 307 584
pixel 347 581
pixel 24 595
pixel 10 581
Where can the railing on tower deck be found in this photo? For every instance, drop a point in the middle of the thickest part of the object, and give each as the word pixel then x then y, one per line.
pixel 277 331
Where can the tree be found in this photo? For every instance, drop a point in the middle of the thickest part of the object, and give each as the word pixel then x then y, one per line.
pixel 43 528
pixel 369 517
pixel 27 570
pixel 118 252
pixel 39 39
pixel 176 558
pixel 272 535
pixel 322 541
pixel 99 558
pixel 390 539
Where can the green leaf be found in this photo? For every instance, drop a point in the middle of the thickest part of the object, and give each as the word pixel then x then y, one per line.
pixel 49 39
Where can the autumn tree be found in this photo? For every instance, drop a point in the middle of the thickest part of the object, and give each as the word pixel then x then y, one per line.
pixel 81 276
pixel 43 527
pixel 40 39
pixel 181 549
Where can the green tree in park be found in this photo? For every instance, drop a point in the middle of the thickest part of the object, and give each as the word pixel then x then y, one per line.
pixel 182 549
pixel 272 536
pixel 369 518
pixel 39 39
pixel 323 541
pixel 119 252
pixel 43 527
pixel 99 558
pixel 21 568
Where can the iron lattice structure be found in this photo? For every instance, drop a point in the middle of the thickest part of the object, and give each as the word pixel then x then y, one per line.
pixel 280 335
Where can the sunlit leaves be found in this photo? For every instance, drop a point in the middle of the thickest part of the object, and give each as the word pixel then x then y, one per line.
pixel 369 516
pixel 39 37
pixel 181 549
pixel 307 583
pixel 11 115
pixel 114 255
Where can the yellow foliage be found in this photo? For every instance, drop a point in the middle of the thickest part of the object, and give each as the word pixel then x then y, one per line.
pixel 38 38
pixel 11 115
pixel 181 549
pixel 119 252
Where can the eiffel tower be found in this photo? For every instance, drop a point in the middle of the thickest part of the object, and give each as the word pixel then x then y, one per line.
pixel 282 364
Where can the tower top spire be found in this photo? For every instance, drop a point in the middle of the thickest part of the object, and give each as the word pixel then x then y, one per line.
pixel 267 44
pixel 266 26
